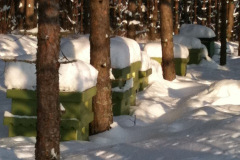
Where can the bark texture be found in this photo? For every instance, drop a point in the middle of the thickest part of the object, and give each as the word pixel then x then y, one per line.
pixel 223 33
pixel 176 12
pixel 204 10
pixel 230 20
pixel 195 11
pixel 131 28
pixel 100 59
pixel 217 17
pixel 167 40
pixel 86 24
pixel 48 110
pixel 209 15
pixel 239 31
pixel 29 14
pixel 154 18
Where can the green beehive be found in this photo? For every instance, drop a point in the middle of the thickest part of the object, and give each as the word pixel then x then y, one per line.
pixel 121 102
pixel 158 59
pixel 134 90
pixel 127 72
pixel 181 66
pixel 121 106
pixel 78 105
pixel 26 126
pixel 143 78
pixel 209 43
pixel 195 56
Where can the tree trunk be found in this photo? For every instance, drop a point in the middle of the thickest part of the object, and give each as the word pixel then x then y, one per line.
pixel 29 14
pixel 167 40
pixel 86 8
pixel 239 30
pixel 223 34
pixel 195 11
pixel 154 18
pixel 230 20
pixel 4 21
pixel 100 59
pixel 131 28
pixel 47 66
pixel 81 17
pixel 204 9
pixel 185 12
pixel 176 11
pixel 209 15
pixel 217 17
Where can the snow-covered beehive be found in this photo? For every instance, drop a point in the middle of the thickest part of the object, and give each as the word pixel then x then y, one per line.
pixel 205 34
pixel 126 64
pixel 181 55
pixel 145 71
pixel 77 82
pixel 194 45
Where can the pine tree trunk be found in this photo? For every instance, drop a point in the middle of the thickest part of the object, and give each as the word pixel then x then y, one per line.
pixel 86 8
pixel 131 28
pixel 217 17
pixel 81 17
pixel 47 66
pixel 238 30
pixel 209 18
pixel 195 11
pixel 100 59
pixel 204 12
pixel 176 11
pixel 29 14
pixel 153 26
pixel 223 34
pixel 230 20
pixel 4 16
pixel 167 40
pixel 185 12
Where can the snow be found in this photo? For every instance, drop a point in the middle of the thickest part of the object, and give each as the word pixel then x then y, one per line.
pixel 145 61
pixel 195 30
pixel 154 49
pixel 125 50
pixel 180 51
pixel 78 76
pixel 195 117
pixel 127 86
pixel 15 45
pixel 77 48
pixel 189 42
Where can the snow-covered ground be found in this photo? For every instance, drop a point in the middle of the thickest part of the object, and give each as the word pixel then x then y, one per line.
pixel 192 118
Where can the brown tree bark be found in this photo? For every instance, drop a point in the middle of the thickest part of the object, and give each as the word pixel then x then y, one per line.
pixel 195 11
pixel 47 66
pixel 154 18
pixel 100 59
pixel 209 18
pixel 176 12
pixel 167 40
pixel 29 14
pixel 204 10
pixel 239 30
pixel 4 21
pixel 86 8
pixel 230 20
pixel 223 33
pixel 131 28
pixel 217 17
pixel 81 17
